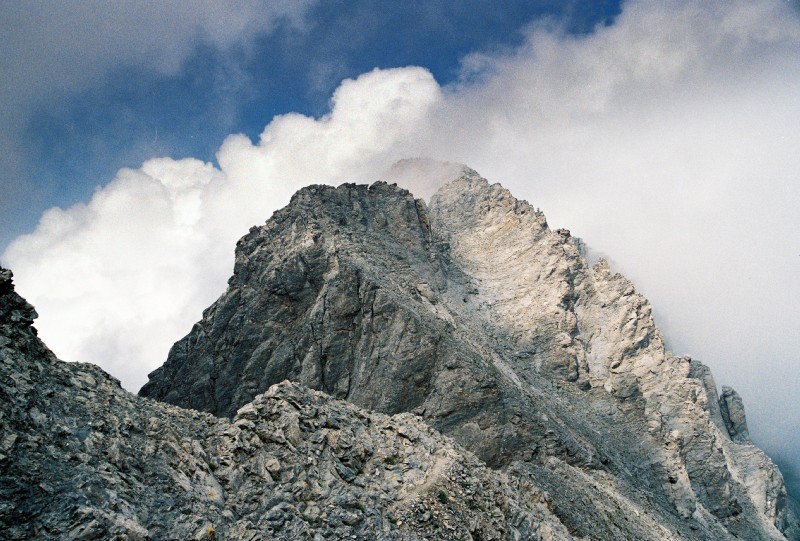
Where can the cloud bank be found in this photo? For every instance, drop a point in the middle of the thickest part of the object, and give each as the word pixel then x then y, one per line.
pixel 667 140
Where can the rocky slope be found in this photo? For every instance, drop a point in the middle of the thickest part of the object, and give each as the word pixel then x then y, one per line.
pixel 475 315
pixel 80 458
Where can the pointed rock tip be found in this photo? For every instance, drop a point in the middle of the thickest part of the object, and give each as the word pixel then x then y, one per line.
pixel 13 307
pixel 472 184
pixel 733 414
pixel 6 277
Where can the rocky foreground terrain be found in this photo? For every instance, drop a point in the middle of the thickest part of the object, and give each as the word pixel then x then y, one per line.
pixel 80 458
pixel 475 378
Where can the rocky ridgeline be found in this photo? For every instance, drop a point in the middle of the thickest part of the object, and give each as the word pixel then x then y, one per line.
pixel 473 314
pixel 80 458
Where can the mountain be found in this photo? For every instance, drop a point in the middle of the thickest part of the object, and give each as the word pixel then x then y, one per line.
pixel 381 368
pixel 81 458
pixel 473 314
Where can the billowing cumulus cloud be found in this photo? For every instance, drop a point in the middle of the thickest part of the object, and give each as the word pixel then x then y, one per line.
pixel 667 140
pixel 117 280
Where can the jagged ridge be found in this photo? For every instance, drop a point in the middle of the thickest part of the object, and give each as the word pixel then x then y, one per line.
pixel 81 458
pixel 494 328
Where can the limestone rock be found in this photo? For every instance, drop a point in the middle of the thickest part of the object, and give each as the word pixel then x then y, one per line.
pixel 732 409
pixel 474 314
pixel 81 458
pixel 469 317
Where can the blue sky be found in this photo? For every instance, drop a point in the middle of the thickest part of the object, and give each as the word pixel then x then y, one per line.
pixel 664 133
pixel 73 137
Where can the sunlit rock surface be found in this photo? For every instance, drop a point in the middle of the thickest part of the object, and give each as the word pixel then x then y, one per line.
pixel 473 314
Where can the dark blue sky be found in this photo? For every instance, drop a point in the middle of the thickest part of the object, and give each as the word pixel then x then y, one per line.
pixel 74 138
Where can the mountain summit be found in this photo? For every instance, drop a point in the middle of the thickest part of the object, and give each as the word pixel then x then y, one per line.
pixel 380 368
pixel 473 314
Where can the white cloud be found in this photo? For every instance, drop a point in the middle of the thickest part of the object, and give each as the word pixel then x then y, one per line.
pixel 118 280
pixel 667 140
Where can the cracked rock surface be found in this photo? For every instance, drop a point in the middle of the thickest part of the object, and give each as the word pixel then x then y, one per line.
pixel 474 376
pixel 472 313
pixel 81 458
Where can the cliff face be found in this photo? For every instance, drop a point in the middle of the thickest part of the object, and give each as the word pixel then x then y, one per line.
pixel 470 313
pixel 473 314
pixel 80 458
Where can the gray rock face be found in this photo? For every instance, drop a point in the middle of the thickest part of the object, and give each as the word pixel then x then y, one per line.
pixel 80 458
pixel 732 410
pixel 495 329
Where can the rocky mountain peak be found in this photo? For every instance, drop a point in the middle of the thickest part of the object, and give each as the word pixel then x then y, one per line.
pixel 379 368
pixel 81 458
pixel 473 314
pixel 14 310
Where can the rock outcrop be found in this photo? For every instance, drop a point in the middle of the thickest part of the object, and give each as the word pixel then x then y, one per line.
pixel 473 314
pixel 80 458
pixel 732 410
